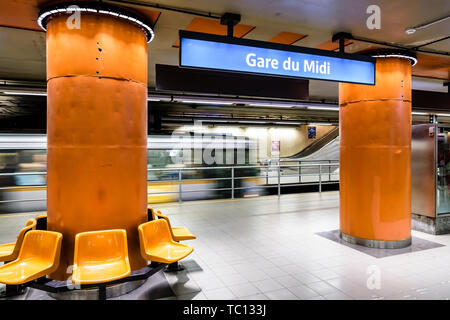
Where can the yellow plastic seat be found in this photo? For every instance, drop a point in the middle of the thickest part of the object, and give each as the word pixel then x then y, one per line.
pixel 38 257
pixel 100 256
pixel 10 251
pixel 157 245
pixel 178 233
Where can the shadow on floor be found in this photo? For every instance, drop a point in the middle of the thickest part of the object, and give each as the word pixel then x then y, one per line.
pixel 417 244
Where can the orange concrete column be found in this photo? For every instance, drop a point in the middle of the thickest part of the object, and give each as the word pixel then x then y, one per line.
pixel 375 157
pixel 96 130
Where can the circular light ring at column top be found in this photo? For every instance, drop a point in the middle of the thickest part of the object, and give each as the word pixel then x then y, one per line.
pixel 396 54
pixel 100 8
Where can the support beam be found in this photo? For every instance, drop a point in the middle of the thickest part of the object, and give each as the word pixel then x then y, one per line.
pixel 97 130
pixel 230 20
pixel 375 157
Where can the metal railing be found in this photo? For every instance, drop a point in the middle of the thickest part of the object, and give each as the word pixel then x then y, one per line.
pixel 275 173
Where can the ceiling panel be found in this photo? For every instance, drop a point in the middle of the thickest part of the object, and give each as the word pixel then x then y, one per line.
pixel 20 14
pixel 330 45
pixel 22 52
pixel 432 66
pixel 287 37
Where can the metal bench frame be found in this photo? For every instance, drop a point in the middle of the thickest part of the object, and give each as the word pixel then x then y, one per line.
pixel 55 286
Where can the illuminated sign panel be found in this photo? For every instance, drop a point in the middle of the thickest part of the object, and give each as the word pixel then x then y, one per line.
pixel 198 50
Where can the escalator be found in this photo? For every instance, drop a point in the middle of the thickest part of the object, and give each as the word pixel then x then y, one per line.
pixel 324 148
pixel 324 151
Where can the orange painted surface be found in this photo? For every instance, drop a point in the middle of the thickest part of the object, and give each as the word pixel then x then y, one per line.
pixel 23 14
pixel 429 66
pixel 287 37
pixel 437 67
pixel 20 14
pixel 213 26
pixel 330 45
pixel 375 154
pixel 97 131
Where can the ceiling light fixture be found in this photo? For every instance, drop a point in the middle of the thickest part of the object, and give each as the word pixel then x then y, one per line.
pixel 207 102
pixel 321 124
pixel 323 108
pixel 410 57
pixel 24 93
pixel 293 123
pixel 412 30
pixel 270 105
pixel 100 8
pixel 213 120
pixel 251 121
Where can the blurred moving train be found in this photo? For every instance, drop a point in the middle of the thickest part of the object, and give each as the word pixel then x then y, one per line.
pixel 23 161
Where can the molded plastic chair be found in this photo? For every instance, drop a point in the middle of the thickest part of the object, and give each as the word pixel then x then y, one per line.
pixel 100 256
pixel 10 251
pixel 41 222
pixel 178 233
pixel 157 245
pixel 150 214
pixel 38 257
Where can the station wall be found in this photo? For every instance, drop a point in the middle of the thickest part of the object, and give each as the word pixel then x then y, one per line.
pixel 292 139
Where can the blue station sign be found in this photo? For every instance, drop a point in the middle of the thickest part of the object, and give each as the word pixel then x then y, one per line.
pixel 205 51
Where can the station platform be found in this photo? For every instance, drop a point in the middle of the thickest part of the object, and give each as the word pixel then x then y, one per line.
pixel 282 248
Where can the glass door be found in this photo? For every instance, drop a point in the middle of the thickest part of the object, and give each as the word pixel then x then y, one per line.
pixel 443 171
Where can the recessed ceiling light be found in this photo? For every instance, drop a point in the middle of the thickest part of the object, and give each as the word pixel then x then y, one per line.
pixel 207 102
pixel 269 105
pixel 24 93
pixel 100 8
pixel 412 59
pixel 410 31
pixel 323 108
pixel 321 124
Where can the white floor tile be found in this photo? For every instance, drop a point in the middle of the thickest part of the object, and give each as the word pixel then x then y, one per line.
pixel 219 294
pixel 303 292
pixel 283 294
pixel 268 285
pixel 244 289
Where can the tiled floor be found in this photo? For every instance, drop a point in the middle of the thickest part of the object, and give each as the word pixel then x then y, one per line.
pixel 417 244
pixel 267 248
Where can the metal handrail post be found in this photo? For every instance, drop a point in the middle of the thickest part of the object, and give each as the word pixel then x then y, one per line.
pixel 306 163
pixel 299 172
pixel 329 170
pixel 320 178
pixel 232 183
pixel 279 177
pixel 180 192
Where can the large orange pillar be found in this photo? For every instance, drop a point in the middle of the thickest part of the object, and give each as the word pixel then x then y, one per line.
pixel 375 157
pixel 96 130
